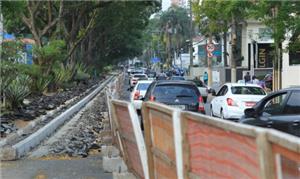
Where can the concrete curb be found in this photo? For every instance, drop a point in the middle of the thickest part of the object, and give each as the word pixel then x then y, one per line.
pixel 10 139
pixel 34 139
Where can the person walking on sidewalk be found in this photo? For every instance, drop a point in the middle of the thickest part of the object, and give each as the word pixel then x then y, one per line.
pixel 205 78
pixel 247 78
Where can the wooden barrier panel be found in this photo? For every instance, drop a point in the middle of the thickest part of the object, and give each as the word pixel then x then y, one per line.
pixel 286 154
pixel 160 140
pixel 130 138
pixel 215 148
pixel 163 140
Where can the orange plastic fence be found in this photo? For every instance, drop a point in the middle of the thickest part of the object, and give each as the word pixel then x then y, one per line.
pixel 127 141
pixel 214 152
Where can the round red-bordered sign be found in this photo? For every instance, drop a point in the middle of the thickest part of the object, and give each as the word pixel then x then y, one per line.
pixel 210 47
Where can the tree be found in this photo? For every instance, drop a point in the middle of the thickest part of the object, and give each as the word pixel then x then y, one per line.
pixel 283 18
pixel 174 28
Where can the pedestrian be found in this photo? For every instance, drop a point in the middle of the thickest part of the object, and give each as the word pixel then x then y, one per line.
pixel 255 80
pixel 205 77
pixel 247 78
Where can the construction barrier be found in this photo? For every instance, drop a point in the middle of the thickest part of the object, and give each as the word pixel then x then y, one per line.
pixel 286 154
pixel 130 139
pixel 191 145
pixel 160 132
pixel 215 148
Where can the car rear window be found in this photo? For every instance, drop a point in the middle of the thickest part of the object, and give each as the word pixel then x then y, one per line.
pixel 175 91
pixel 139 76
pixel 250 90
pixel 143 86
pixel 177 78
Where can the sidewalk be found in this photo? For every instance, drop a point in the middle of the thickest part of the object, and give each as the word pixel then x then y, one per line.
pixel 55 168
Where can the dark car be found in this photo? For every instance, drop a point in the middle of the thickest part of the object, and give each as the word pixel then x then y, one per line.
pixel 180 94
pixel 279 110
pixel 177 78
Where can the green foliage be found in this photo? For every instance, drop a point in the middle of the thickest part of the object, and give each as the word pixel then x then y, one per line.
pixel 41 84
pixel 107 69
pixel 81 72
pixel 17 91
pixel 62 75
pixel 51 53
pixel 10 50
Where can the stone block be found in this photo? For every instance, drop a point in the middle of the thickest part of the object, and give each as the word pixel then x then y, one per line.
pixel 8 153
pixel 110 151
pixel 114 164
pixel 107 140
pixel 124 175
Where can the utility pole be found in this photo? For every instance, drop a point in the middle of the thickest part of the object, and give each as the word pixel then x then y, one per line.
pixel 191 37
pixel 209 63
pixel 276 65
pixel 233 49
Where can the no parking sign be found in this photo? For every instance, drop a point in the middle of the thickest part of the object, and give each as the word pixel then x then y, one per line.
pixel 210 48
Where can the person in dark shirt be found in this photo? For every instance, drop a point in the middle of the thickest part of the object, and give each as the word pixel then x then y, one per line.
pixel 247 78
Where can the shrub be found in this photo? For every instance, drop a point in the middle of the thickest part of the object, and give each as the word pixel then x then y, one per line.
pixel 17 91
pixel 41 84
pixel 81 72
pixel 62 75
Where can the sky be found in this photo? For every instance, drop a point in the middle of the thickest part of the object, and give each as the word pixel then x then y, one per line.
pixel 166 4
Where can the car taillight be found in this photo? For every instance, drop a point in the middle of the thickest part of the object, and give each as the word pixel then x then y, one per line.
pixel 152 98
pixel 201 104
pixel 230 102
pixel 136 95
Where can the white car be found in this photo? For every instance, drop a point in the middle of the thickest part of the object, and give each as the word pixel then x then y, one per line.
pixel 233 98
pixel 135 78
pixel 203 88
pixel 139 92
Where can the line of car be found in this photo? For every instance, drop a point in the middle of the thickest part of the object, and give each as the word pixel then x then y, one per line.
pixel 239 102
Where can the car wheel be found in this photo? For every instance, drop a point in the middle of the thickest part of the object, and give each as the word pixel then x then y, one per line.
pixel 221 114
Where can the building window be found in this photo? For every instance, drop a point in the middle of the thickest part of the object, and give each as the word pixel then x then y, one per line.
pixel 294 58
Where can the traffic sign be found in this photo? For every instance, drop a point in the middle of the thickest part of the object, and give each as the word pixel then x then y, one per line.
pixel 210 54
pixel 210 47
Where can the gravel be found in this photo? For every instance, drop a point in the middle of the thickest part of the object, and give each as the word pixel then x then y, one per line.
pixel 84 135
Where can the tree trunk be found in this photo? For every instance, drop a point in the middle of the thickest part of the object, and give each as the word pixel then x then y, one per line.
pixel 233 49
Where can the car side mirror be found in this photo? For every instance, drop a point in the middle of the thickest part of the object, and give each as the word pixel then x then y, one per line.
pixel 250 112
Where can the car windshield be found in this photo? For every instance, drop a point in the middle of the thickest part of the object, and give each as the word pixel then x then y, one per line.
pixel 143 86
pixel 247 90
pixel 175 91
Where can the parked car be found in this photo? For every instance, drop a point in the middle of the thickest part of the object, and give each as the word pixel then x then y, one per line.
pixel 203 88
pixel 179 94
pixel 136 77
pixel 177 78
pixel 138 93
pixel 233 98
pixel 279 110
